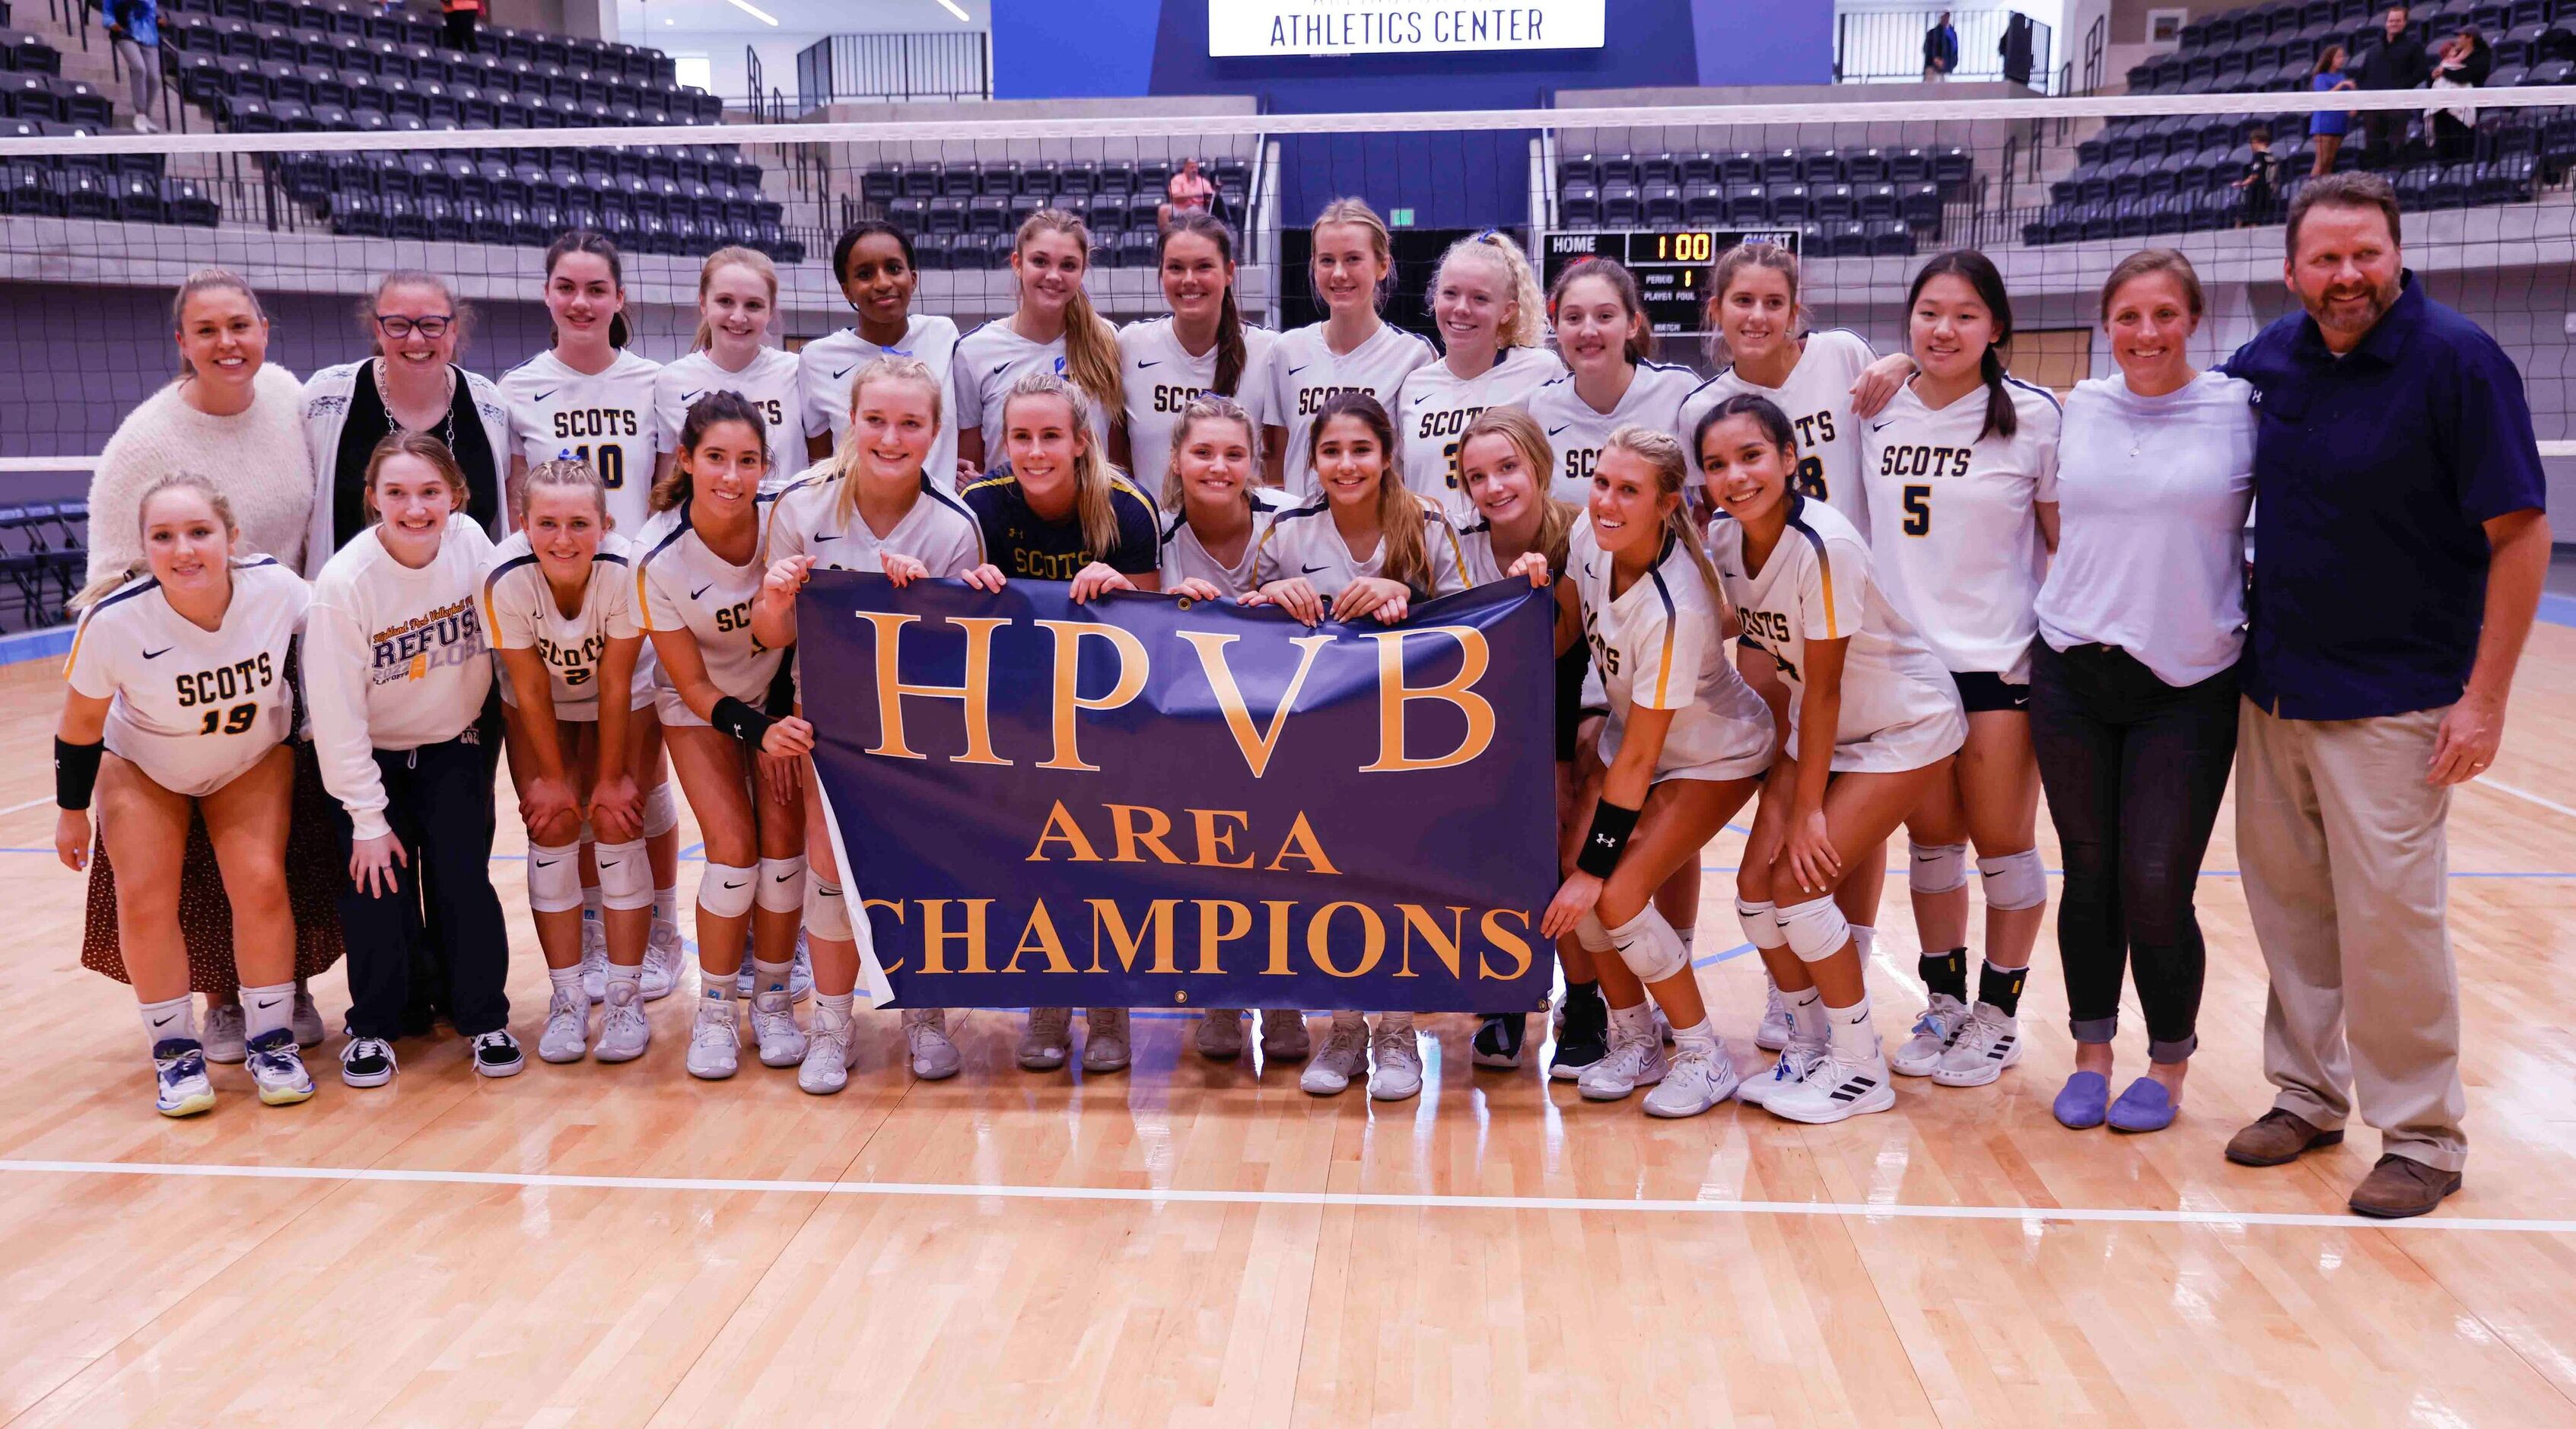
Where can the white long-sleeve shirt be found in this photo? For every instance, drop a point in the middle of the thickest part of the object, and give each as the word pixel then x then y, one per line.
pixel 395 658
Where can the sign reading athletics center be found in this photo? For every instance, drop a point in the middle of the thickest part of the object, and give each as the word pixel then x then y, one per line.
pixel 1145 802
pixel 1358 27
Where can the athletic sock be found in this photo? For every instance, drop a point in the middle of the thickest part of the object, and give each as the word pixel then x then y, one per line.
pixel 1853 1038
pixel 716 984
pixel 266 1009
pixel 631 976
pixel 1807 1014
pixel 666 904
pixel 765 976
pixel 171 1021
pixel 840 1002
pixel 1637 1021
pixel 1945 972
pixel 567 981
pixel 1699 1036
pixel 2002 987
pixel 1863 936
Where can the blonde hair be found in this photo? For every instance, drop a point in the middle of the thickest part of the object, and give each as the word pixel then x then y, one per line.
pixel 1721 274
pixel 571 472
pixel 1529 303
pixel 1357 213
pixel 1093 476
pixel 752 258
pixel 1663 451
pixel 844 459
pixel 206 280
pixel 1555 518
pixel 182 480
pixel 1090 343
pixel 1402 553
pixel 1207 407
pixel 427 447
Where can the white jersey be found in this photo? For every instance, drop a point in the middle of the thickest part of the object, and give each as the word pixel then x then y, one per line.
pixel 1817 401
pixel 193 708
pixel 681 585
pixel 1951 526
pixel 1476 552
pixel 1662 644
pixel 1305 373
pixel 769 384
pixel 1184 557
pixel 828 365
pixel 1161 377
pixel 1435 405
pixel 520 612
pixel 1302 541
pixel 988 361
pixel 937 531
pixel 1900 709
pixel 1576 433
pixel 606 420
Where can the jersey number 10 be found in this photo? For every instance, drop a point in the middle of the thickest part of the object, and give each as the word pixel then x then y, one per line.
pixel 610 464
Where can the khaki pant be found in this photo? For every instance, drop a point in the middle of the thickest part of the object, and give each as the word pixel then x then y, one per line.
pixel 2347 868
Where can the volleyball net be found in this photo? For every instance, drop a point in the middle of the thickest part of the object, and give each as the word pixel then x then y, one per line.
pixel 101 226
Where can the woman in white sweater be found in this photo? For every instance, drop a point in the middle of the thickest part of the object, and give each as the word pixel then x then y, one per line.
pixel 397 670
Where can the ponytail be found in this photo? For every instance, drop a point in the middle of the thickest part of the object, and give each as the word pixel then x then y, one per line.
pixel 1663 451
pixel 1090 343
pixel 1978 272
pixel 1528 327
pixel 1231 354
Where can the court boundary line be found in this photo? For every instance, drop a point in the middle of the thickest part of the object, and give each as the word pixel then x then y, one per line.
pixel 1352 1200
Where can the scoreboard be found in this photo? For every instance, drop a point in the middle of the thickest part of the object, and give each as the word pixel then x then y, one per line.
pixel 1671 265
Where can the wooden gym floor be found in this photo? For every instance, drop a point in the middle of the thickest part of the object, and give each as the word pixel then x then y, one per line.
pixel 1198 1244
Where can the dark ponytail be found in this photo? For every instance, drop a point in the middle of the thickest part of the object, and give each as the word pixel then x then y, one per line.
pixel 583 240
pixel 1978 272
pixel 1231 355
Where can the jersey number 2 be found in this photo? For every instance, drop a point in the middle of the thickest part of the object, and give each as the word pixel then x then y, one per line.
pixel 1918 510
pixel 233 721
pixel 611 464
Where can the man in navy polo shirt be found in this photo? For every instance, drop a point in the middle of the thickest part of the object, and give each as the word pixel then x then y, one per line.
pixel 2399 557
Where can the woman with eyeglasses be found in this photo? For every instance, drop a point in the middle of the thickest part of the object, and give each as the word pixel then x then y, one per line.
pixel 413 325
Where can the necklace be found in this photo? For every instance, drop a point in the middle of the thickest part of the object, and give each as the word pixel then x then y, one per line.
pixel 447 419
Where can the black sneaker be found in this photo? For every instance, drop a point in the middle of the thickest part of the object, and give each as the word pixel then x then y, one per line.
pixel 1584 1038
pixel 1498 1042
pixel 367 1062
pixel 496 1054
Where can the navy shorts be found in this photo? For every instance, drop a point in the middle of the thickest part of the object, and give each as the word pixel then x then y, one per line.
pixel 1982 690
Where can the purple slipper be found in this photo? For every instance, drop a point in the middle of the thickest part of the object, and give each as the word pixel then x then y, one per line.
pixel 2079 1102
pixel 2145 1106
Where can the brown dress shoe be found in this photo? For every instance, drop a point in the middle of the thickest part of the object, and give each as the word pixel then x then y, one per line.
pixel 2276 1139
pixel 2398 1187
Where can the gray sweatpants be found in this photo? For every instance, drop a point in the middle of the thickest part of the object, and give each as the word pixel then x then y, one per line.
pixel 2347 868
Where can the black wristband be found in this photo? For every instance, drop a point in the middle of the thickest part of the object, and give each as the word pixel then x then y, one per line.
pixel 75 772
pixel 741 721
pixel 1611 826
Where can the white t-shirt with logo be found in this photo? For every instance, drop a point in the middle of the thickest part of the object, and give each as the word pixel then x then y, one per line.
pixel 193 708
pixel 1576 433
pixel 1305 372
pixel 830 363
pixel 1953 532
pixel 1435 405
pixel 1817 401
pixel 1161 377
pixel 606 419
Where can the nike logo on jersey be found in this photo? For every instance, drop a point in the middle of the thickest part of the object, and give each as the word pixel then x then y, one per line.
pixel 844 372
pixel 1293 371
pixel 157 654
pixel 1141 366
pixel 1552 431
pixel 1880 426
pixel 687 397
pixel 998 371
pixel 543 395
pixel 1310 570
pixel 818 540
pixel 702 590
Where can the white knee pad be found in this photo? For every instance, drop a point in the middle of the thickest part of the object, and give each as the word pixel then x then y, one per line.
pixel 827 912
pixel 625 875
pixel 661 811
pixel 554 878
pixel 1937 868
pixel 782 884
pixel 2014 881
pixel 1593 934
pixel 727 889
pixel 1815 930
pixel 1650 947
pixel 1761 924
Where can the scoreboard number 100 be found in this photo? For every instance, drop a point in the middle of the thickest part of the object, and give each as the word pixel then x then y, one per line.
pixel 1671 265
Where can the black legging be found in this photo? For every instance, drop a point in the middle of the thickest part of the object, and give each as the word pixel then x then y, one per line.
pixel 456 30
pixel 2134 770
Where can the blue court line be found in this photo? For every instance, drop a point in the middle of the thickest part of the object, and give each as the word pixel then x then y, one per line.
pixel 26 645
pixel 1714 959
pixel 2558 609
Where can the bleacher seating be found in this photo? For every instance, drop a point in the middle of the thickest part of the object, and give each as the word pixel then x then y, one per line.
pixel 2274 47
pixel 964 216
pixel 1846 203
pixel 43 558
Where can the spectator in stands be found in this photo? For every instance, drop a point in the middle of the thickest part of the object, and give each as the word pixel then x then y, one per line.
pixel 2262 181
pixel 2403 549
pixel 1940 49
pixel 2464 63
pixel 2326 127
pixel 1188 192
pixel 134 30
pixel 2398 61
pixel 458 19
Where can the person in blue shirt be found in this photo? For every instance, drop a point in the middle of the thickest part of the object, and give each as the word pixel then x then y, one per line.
pixel 2326 127
pixel 2400 550
pixel 134 31
pixel 1940 49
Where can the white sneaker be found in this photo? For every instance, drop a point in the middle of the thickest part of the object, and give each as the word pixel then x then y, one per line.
pixel 306 1019
pixel 1284 1037
pixel 663 955
pixel 715 1041
pixel 567 1034
pixel 179 1082
pixel 829 1051
pixel 925 1039
pixel 1697 1080
pixel 1048 1040
pixel 1796 1061
pixel 594 960
pixel 1395 1072
pixel 774 1029
pixel 224 1027
pixel 1835 1090
pixel 1343 1056
pixel 1777 1025
pixel 1634 1061
pixel 145 126
pixel 1106 1049
pixel 624 1031
pixel 800 978
pixel 1219 1035
pixel 277 1069
pixel 1989 1043
pixel 1934 1031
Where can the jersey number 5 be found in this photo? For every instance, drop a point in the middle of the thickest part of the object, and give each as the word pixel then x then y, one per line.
pixel 1918 510
pixel 610 464
pixel 232 721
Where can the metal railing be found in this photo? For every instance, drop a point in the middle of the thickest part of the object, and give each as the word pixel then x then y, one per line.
pixel 950 64
pixel 1878 46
